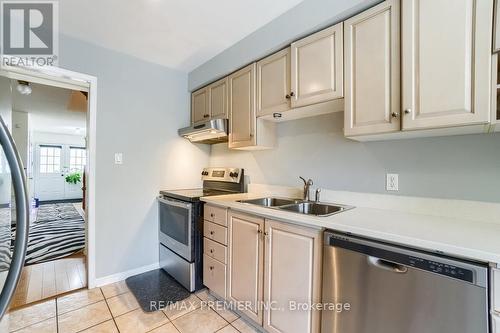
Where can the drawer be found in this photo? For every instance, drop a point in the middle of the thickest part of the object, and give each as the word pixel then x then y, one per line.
pixel 496 290
pixel 215 250
pixel 215 214
pixel 214 275
pixel 215 232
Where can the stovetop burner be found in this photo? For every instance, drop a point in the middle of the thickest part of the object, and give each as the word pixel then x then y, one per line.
pixel 216 181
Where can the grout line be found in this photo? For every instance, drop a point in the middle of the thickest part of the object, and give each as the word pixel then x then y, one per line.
pixel 112 317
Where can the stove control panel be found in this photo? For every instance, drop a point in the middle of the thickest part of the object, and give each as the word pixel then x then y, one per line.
pixel 228 175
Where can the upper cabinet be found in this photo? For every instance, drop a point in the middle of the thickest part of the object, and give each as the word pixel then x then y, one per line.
pixel 496 27
pixel 273 83
pixel 317 67
pixel 446 62
pixel 210 102
pixel 218 99
pixel 242 107
pixel 199 106
pixel 245 130
pixel 372 53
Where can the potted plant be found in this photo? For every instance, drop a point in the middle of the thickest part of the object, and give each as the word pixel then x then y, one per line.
pixel 74 178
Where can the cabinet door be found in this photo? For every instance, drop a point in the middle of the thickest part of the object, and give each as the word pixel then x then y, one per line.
pixel 317 67
pixel 273 83
pixel 372 84
pixel 242 107
pixel 217 97
pixel 199 106
pixel 245 263
pixel 292 274
pixel 446 59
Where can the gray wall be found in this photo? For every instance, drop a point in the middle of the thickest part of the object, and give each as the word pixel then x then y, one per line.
pixel 303 19
pixel 140 107
pixel 458 167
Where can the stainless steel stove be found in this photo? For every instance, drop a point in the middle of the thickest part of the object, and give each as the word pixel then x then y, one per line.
pixel 180 214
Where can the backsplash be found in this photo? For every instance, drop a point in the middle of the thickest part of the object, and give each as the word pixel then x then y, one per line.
pixel 456 167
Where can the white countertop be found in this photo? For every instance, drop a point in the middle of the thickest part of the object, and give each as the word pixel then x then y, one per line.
pixel 453 236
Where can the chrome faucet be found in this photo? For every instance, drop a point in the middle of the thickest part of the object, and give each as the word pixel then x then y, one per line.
pixel 307 185
pixel 318 193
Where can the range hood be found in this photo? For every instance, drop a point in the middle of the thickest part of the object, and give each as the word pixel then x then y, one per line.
pixel 212 131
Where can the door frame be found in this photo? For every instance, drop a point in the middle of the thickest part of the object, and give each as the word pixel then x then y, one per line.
pixel 63 78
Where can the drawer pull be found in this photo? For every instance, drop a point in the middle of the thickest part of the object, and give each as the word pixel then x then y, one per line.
pixel 211 250
pixel 211 268
pixel 212 215
pixel 211 232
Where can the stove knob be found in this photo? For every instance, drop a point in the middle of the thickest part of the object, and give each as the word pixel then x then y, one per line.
pixel 235 174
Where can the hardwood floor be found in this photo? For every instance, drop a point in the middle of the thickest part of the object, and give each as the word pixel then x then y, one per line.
pixel 50 279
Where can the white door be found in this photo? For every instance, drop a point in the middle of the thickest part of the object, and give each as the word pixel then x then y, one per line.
pixel 53 163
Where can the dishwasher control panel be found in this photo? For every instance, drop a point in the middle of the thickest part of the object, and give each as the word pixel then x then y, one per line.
pixel 441 268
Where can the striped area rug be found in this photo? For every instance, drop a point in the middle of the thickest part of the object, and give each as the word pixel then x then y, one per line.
pixel 59 231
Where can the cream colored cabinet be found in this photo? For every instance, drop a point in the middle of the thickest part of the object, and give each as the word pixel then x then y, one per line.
pixel 199 106
pixel 242 107
pixel 317 67
pixel 372 71
pixel 245 263
pixel 495 290
pixel 446 61
pixel 292 276
pixel 496 28
pixel 218 99
pixel 245 130
pixel 273 83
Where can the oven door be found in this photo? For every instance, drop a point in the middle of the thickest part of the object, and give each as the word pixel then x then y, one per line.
pixel 176 224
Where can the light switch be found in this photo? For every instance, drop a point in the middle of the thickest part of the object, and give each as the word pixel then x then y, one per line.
pixel 392 182
pixel 118 158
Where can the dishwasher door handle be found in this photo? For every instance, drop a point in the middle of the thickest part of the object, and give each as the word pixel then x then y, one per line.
pixel 387 265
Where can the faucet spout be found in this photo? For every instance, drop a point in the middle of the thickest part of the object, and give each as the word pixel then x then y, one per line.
pixel 307 185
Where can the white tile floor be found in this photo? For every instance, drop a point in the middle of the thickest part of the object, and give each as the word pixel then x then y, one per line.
pixel 113 309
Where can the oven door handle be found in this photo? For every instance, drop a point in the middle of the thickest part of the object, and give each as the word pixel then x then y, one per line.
pixel 175 203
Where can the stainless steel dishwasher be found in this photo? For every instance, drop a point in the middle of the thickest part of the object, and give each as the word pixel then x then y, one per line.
pixel 391 289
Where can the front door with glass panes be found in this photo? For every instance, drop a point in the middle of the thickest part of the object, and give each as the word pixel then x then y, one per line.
pixel 59 171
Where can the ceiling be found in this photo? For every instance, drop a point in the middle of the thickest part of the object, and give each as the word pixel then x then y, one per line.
pixel 51 109
pixel 176 34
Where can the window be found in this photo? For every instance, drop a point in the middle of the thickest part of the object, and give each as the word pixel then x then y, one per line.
pixel 50 159
pixel 77 159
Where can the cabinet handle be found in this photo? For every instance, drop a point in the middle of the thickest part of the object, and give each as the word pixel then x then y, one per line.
pixel 211 268
pixel 212 215
pixel 211 232
pixel 395 114
pixel 265 233
pixel 259 231
pixel 287 96
pixel 211 250
pixel 292 94
pixel 205 116
pixel 407 111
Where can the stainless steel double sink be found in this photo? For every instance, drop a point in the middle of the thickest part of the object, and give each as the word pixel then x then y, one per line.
pixel 298 206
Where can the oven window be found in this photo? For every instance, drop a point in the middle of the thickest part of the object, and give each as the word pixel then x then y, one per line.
pixel 175 222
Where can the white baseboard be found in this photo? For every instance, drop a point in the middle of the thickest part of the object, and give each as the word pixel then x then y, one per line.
pixel 102 281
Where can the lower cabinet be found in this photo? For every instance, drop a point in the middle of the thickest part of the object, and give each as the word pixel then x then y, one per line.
pixel 273 269
pixel 292 271
pixel 245 275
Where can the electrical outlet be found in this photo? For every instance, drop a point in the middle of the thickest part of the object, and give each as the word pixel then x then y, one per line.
pixel 118 158
pixel 392 182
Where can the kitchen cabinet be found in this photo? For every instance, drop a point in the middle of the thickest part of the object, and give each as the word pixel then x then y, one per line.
pixel 372 71
pixel 496 28
pixel 199 106
pixel 495 94
pixel 446 59
pixel 495 290
pixel 495 322
pixel 273 83
pixel 245 263
pixel 245 131
pixel 292 273
pixel 218 99
pixel 215 249
pixel 317 67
